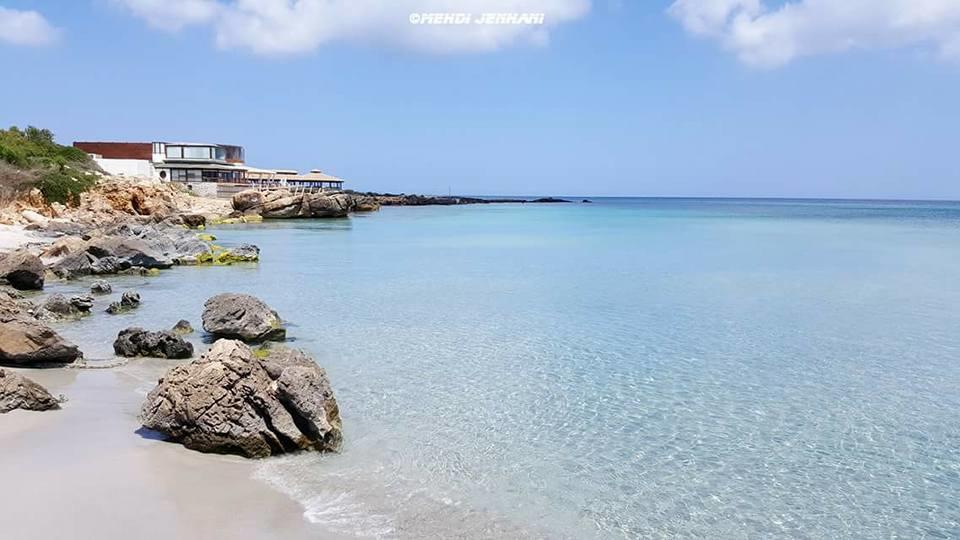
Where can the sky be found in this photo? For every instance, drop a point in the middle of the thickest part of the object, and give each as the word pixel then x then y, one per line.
pixel 760 98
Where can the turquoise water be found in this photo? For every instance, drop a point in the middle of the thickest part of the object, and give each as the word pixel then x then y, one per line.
pixel 630 368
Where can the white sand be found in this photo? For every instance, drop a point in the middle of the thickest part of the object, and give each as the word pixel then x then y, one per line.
pixel 14 236
pixel 85 472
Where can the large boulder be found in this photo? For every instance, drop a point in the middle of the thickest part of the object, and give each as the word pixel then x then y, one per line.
pixel 249 199
pixel 227 401
pixel 74 265
pixel 22 270
pixel 320 205
pixel 109 265
pixel 288 206
pixel 241 316
pixel 131 250
pixel 139 342
pixel 26 342
pixel 19 392
pixel 61 247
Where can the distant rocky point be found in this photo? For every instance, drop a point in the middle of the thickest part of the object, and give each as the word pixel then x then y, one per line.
pixel 390 199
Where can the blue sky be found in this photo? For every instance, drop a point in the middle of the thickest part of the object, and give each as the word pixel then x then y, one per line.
pixel 690 98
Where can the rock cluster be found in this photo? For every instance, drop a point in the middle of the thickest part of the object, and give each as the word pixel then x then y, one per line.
pixel 280 204
pixel 19 392
pixel 241 316
pixel 101 287
pixel 133 246
pixel 163 344
pixel 229 401
pixel 59 307
pixel 116 198
pixel 124 247
pixel 128 300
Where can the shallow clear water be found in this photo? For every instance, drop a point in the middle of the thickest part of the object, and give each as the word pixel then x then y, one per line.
pixel 623 369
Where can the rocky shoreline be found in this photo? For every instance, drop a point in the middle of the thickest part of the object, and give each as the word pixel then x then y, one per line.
pixel 233 398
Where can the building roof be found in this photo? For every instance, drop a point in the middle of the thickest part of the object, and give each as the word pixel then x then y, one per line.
pixel 316 176
pixel 220 165
pixel 180 143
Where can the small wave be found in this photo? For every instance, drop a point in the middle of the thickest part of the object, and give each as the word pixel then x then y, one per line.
pixel 337 511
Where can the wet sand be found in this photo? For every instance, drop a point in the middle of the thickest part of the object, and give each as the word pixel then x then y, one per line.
pixel 87 472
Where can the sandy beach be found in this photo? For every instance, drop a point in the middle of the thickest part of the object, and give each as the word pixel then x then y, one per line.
pixel 90 470
pixel 86 472
pixel 14 236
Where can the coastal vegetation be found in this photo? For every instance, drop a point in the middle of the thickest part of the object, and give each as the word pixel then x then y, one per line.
pixel 31 159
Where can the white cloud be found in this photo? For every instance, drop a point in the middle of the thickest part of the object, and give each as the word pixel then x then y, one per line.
pixel 173 14
pixel 26 28
pixel 767 36
pixel 273 27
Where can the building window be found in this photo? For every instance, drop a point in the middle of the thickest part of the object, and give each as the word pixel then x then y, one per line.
pixel 196 152
pixel 220 153
pixel 175 152
pixel 157 148
pixel 163 175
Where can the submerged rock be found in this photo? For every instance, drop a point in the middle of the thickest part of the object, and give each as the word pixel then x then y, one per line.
pixel 182 327
pixel 129 300
pixel 100 287
pixel 139 342
pixel 241 253
pixel 241 316
pixel 229 401
pixel 22 270
pixel 25 343
pixel 19 392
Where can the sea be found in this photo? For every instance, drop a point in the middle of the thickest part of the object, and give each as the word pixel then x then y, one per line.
pixel 625 368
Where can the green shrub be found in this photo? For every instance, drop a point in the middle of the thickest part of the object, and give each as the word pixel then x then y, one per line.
pixel 62 187
pixel 13 156
pixel 60 172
